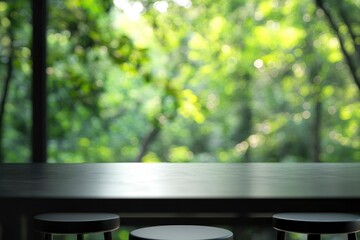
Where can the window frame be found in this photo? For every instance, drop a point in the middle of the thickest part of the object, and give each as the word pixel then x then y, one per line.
pixel 38 91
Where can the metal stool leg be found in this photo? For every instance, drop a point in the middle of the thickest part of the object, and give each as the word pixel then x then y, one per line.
pixel 48 236
pixel 314 237
pixel 352 236
pixel 280 235
pixel 107 236
pixel 80 237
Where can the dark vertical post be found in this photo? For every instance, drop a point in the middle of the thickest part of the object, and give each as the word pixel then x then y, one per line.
pixel 280 235
pixel 39 116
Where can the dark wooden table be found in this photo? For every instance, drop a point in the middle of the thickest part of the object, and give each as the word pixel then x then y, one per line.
pixel 238 189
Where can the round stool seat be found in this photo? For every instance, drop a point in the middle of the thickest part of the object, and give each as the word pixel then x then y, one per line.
pixel 181 232
pixel 75 223
pixel 317 223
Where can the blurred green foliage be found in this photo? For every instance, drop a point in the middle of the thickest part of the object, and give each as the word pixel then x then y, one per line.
pixel 187 81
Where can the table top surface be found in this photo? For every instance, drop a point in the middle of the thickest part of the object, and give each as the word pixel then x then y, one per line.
pixel 281 182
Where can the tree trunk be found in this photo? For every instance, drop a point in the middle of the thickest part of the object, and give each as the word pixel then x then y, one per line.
pixel 147 141
pixel 348 57
pixel 316 131
pixel 5 91
pixel 245 115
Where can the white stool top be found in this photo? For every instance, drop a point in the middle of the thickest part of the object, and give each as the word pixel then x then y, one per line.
pixel 181 232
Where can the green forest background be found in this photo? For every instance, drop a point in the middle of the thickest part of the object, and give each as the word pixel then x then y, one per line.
pixel 186 81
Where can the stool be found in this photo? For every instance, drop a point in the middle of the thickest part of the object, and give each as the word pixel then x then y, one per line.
pixel 315 224
pixel 181 232
pixel 76 223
